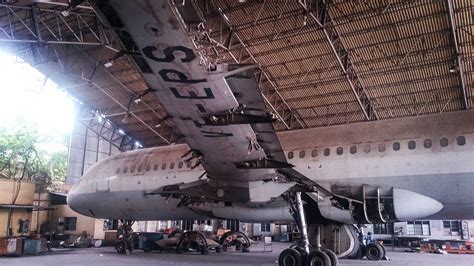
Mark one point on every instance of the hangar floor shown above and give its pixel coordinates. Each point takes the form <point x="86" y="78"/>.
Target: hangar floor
<point x="108" y="256"/>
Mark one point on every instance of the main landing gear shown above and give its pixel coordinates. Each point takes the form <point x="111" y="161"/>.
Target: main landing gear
<point x="301" y="253"/>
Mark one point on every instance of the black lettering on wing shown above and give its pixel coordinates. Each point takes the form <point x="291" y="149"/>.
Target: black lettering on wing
<point x="169" y="53"/>
<point x="192" y="94"/>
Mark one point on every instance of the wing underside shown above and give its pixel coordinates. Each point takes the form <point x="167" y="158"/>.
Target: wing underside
<point x="219" y="109"/>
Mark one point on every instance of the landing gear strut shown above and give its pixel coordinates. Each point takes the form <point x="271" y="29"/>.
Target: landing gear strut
<point x="124" y="243"/>
<point x="302" y="254"/>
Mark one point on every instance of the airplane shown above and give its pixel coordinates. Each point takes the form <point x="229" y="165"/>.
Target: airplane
<point x="234" y="165"/>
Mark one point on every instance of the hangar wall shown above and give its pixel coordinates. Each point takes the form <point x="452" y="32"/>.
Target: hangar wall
<point x="86" y="148"/>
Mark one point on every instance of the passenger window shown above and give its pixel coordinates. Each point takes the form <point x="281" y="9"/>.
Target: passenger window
<point x="118" y="171"/>
<point x="140" y="168"/>
<point x="302" y="153"/>
<point x="381" y="147"/>
<point x="396" y="146"/>
<point x="180" y="165"/>
<point x="339" y="150"/>
<point x="290" y="155"/>
<point x="461" y="140"/>
<point x="188" y="164"/>
<point x="148" y="167"/>
<point x="327" y="152"/>
<point x="443" y="142"/>
<point x="353" y="150"/>
<point x="314" y="153"/>
<point x="411" y="145"/>
<point x="367" y="148"/>
<point x="125" y="170"/>
<point x="163" y="166"/>
<point x="132" y="170"/>
<point x="155" y="167"/>
<point x="427" y="143"/>
<point x="172" y="165"/>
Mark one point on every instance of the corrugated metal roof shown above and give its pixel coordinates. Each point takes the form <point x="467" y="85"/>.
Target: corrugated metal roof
<point x="401" y="52"/>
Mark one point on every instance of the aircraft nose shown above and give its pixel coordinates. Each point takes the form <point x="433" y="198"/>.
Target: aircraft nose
<point x="76" y="200"/>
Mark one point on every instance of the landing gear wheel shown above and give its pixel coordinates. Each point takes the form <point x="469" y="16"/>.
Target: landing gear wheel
<point x="245" y="249"/>
<point x="318" y="258"/>
<point x="219" y="249"/>
<point x="374" y="251"/>
<point x="290" y="257"/>
<point x="332" y="256"/>
<point x="121" y="247"/>
<point x="205" y="252"/>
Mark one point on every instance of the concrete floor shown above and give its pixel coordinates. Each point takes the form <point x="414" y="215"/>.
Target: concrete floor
<point x="108" y="256"/>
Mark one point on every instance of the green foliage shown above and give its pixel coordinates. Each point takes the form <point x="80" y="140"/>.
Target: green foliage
<point x="22" y="158"/>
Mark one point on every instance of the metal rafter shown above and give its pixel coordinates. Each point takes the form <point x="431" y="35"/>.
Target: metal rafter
<point x="288" y="117"/>
<point x="325" y="22"/>
<point x="458" y="59"/>
<point x="31" y="24"/>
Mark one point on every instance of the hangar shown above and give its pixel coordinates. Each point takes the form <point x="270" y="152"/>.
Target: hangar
<point x="331" y="67"/>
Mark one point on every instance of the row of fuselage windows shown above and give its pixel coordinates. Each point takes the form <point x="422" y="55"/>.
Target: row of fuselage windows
<point x="148" y="167"/>
<point x="396" y="146"/>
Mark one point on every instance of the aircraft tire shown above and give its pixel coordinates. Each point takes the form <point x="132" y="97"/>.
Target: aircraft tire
<point x="374" y="252"/>
<point x="332" y="256"/>
<point x="121" y="247"/>
<point x="290" y="257"/>
<point x="318" y="258"/>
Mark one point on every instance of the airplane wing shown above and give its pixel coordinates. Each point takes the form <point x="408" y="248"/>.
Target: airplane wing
<point x="218" y="108"/>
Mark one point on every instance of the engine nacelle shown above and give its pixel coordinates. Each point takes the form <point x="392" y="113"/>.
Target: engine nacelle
<point x="375" y="205"/>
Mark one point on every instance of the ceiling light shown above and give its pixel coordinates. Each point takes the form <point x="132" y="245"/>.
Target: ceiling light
<point x="121" y="131"/>
<point x="138" y="144"/>
<point x="454" y="69"/>
<point x="65" y="13"/>
<point x="108" y="64"/>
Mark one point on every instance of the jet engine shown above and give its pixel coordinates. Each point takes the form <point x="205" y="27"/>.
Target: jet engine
<point x="366" y="204"/>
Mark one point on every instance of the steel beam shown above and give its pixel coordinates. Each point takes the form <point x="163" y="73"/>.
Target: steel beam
<point x="272" y="97"/>
<point x="458" y="64"/>
<point x="325" y="22"/>
<point x="31" y="24"/>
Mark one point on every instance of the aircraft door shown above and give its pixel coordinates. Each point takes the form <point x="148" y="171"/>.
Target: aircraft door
<point x="102" y="180"/>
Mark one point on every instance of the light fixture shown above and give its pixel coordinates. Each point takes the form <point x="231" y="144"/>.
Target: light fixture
<point x="454" y="68"/>
<point x="65" y="13"/>
<point x="138" y="100"/>
<point x="138" y="144"/>
<point x="108" y="64"/>
<point x="121" y="132"/>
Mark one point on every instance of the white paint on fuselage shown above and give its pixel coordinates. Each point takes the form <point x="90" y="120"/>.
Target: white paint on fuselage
<point x="442" y="173"/>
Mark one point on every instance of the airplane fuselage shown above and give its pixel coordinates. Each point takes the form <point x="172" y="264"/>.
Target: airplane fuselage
<point x="429" y="155"/>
